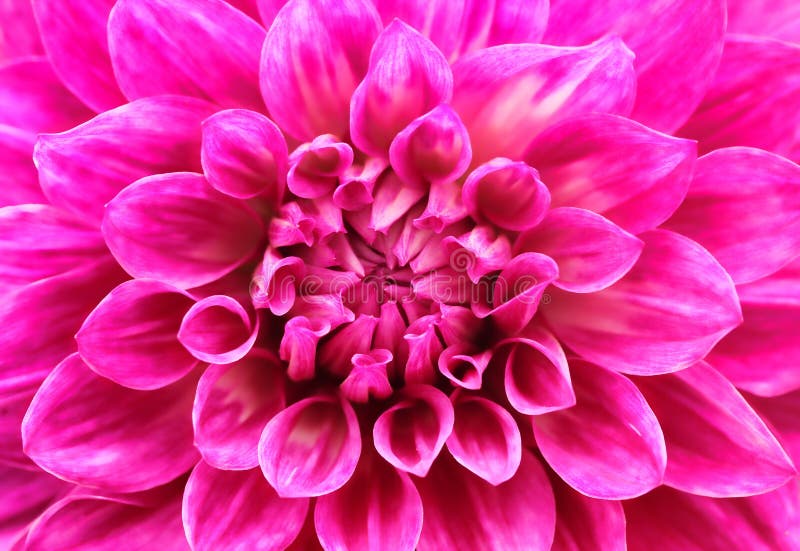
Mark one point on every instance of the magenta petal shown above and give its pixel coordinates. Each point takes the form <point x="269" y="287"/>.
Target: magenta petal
<point x="223" y="507"/>
<point x="244" y="154"/>
<point x="411" y="433"/>
<point x="510" y="22"/>
<point x="716" y="444"/>
<point x="19" y="181"/>
<point x="742" y="106"/>
<point x="20" y="36"/>
<point x="379" y="508"/>
<point x="677" y="45"/>
<point x="587" y="523"/>
<point x="317" y="165"/>
<point x="781" y="412"/>
<point x="485" y="438"/>
<point x="76" y="41"/>
<point x="667" y="313"/>
<point x="438" y="20"/>
<point x="670" y="520"/>
<point x="131" y="337"/>
<point x="463" y="365"/>
<point x="218" y="329"/>
<point x="315" y="54"/>
<point x="149" y="136"/>
<point x="311" y="448"/>
<point x="23" y="495"/>
<point x="634" y="176"/>
<point x="775" y="18"/>
<point x="507" y="94"/>
<point x="206" y="49"/>
<point x="536" y="373"/>
<point x="232" y="405"/>
<point x="609" y="445"/>
<point x="761" y="192"/>
<point x="462" y="510"/>
<point x="592" y="253"/>
<point x="13" y="404"/>
<point x="407" y="77"/>
<point x="368" y="378"/>
<point x="299" y="346"/>
<point x="91" y="431"/>
<point x="158" y="227"/>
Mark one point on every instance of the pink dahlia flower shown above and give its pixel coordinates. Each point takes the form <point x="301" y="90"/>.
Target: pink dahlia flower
<point x="401" y="274"/>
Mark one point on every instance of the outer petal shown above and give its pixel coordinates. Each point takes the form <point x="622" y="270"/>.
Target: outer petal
<point x="84" y="168"/>
<point x="201" y="48"/>
<point x="494" y="22"/>
<point x="218" y="329"/>
<point x="634" y="176"/>
<point x="782" y="413"/>
<point x="379" y="508"/>
<point x="461" y="509"/>
<point x="158" y="227"/>
<point x="586" y="523"/>
<point x="407" y="77"/>
<point x="744" y="207"/>
<point x="131" y="337"/>
<point x="776" y="18"/>
<point x="609" y="445"/>
<point x="412" y="432"/>
<point x="75" y="38"/>
<point x="236" y="510"/>
<point x="677" y="45"/>
<point x="311" y="448"/>
<point x="592" y="253"/>
<point x="664" y="315"/>
<point x="676" y="521"/>
<point x="716" y="444"/>
<point x="315" y="54"/>
<point x="244" y="154"/>
<point x="24" y="494"/>
<point x="20" y="37"/>
<point x="233" y="404"/>
<point x="742" y="106"/>
<point x="19" y="182"/>
<point x="507" y="94"/>
<point x="91" y="431"/>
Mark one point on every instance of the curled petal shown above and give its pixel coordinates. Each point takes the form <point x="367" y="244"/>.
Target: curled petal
<point x="207" y="49"/>
<point x="424" y="348"/>
<point x="356" y="184"/>
<point x="291" y="226"/>
<point x="299" y="345"/>
<point x="412" y="432"/>
<point x="609" y="445"/>
<point x="634" y="176"/>
<point x="220" y="505"/>
<point x="485" y="438"/>
<point x="592" y="253"/>
<point x="760" y="191"/>
<point x="316" y="166"/>
<point x="478" y="252"/>
<point x="91" y="431"/>
<point x="717" y="445"/>
<point x="508" y="194"/>
<point x="311" y="448"/>
<point x="276" y="282"/>
<point x="315" y="54"/>
<point x="131" y="337"/>
<point x="463" y="366"/>
<point x="218" y="329"/>
<point x="507" y="94"/>
<point x="158" y="227"/>
<point x="244" y="154"/>
<point x="368" y="378"/>
<point x="667" y="313"/>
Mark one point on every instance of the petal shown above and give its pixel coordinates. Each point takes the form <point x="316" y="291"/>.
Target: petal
<point x="673" y="306"/>
<point x="485" y="438"/>
<point x="463" y="365"/>
<point x="19" y="182"/>
<point x="536" y="375"/>
<point x="438" y="20"/>
<point x="311" y="448"/>
<point x="131" y="337"/>
<point x="223" y="507"/>
<point x="299" y="346"/>
<point x="158" y="227"/>
<point x="775" y="18"/>
<point x="76" y="41"/>
<point x="496" y="22"/>
<point x="315" y="54"/>
<point x="781" y="412"/>
<point x="586" y="523"/>
<point x="407" y="77"/>
<point x="676" y="521"/>
<point x="13" y="404"/>
<point x="461" y="509"/>
<point x="379" y="508"/>
<point x="316" y="166"/>
<point x="761" y="192"/>
<point x="114" y="149"/>
<point x="634" y="176"/>
<point x="91" y="431"/>
<point x="355" y="338"/>
<point x="677" y="46"/>
<point x="218" y="329"/>
<point x="244" y="154"/>
<point x="233" y="404"/>
<point x="24" y="494"/>
<point x="205" y="49"/>
<point x="412" y="432"/>
<point x="609" y="445"/>
<point x="592" y="252"/>
<point x="507" y="94"/>
<point x="717" y="445"/>
<point x="368" y="378"/>
<point x="20" y="36"/>
<point x="742" y="106"/>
